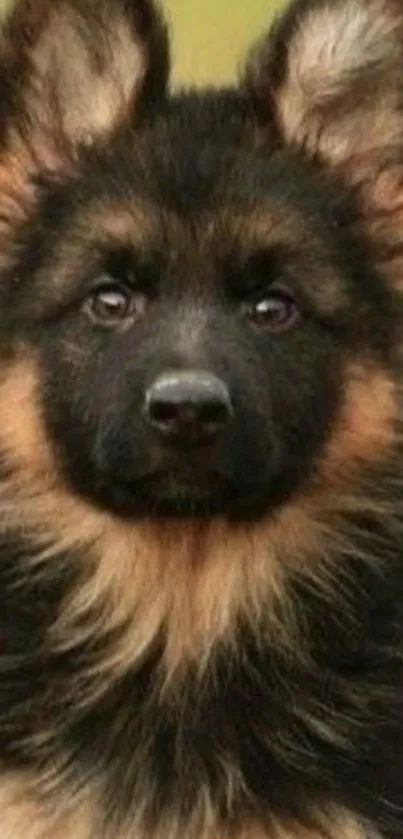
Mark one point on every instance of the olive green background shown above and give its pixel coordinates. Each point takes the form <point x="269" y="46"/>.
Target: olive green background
<point x="210" y="37"/>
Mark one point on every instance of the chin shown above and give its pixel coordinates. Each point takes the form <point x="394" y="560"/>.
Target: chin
<point x="201" y="428"/>
<point x="168" y="496"/>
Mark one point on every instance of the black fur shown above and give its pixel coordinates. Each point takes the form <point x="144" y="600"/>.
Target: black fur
<point x="216" y="211"/>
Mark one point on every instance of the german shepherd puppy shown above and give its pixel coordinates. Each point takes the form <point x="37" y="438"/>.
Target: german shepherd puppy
<point x="201" y="488"/>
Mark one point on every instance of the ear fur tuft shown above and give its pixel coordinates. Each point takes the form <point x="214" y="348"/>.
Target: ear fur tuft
<point x="72" y="71"/>
<point x="330" y="74"/>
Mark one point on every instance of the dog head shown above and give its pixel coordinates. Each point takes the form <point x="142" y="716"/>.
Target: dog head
<point x="187" y="277"/>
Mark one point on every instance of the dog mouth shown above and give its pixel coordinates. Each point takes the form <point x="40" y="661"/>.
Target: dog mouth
<point x="177" y="494"/>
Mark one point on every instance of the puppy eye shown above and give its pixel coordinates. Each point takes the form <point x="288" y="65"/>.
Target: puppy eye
<point x="112" y="304"/>
<point x="276" y="310"/>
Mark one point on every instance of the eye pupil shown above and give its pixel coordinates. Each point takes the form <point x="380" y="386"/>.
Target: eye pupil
<point x="277" y="310"/>
<point x="114" y="304"/>
<point x="111" y="303"/>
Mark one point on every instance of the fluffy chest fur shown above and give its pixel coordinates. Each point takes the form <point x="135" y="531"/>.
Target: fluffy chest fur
<point x="201" y="520"/>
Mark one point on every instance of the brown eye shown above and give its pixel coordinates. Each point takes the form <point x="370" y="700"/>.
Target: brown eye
<point x="276" y="310"/>
<point x="113" y="304"/>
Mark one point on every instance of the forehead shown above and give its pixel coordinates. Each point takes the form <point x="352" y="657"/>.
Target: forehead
<point x="198" y="185"/>
<point x="199" y="151"/>
<point x="215" y="245"/>
<point x="225" y="234"/>
<point x="202" y="168"/>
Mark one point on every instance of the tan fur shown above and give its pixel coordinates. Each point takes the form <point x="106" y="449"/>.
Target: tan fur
<point x="343" y="56"/>
<point x="92" y="103"/>
<point x="281" y="226"/>
<point x="339" y="100"/>
<point x="22" y="817"/>
<point x="380" y="194"/>
<point x="364" y="429"/>
<point x="16" y="194"/>
<point x="67" y="106"/>
<point x="81" y="101"/>
<point x="193" y="581"/>
<point x="344" y="829"/>
<point x="17" y="200"/>
<point x="339" y="826"/>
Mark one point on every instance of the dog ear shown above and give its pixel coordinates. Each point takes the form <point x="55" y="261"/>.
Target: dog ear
<point x="330" y="75"/>
<point x="72" y="71"/>
<point x="331" y="71"/>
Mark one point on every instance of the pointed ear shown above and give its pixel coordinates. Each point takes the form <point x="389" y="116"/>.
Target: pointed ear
<point x="330" y="75"/>
<point x="331" y="72"/>
<point x="72" y="71"/>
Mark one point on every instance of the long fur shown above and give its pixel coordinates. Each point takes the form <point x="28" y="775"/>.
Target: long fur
<point x="219" y="677"/>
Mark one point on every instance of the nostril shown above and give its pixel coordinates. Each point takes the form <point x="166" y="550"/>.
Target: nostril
<point x="163" y="412"/>
<point x="188" y="405"/>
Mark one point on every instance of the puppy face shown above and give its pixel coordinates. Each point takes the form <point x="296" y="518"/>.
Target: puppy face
<point x="207" y="260"/>
<point x="200" y="428"/>
<point x="191" y="284"/>
<point x="200" y="308"/>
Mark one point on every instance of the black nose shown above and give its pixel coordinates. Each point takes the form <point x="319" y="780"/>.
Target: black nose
<point x="188" y="406"/>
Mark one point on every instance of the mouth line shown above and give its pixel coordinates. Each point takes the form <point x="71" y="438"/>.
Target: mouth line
<point x="187" y="476"/>
<point x="165" y="494"/>
<point x="171" y="487"/>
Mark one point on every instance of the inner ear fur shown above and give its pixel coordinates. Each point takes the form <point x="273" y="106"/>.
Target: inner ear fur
<point x="71" y="71"/>
<point x="330" y="75"/>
